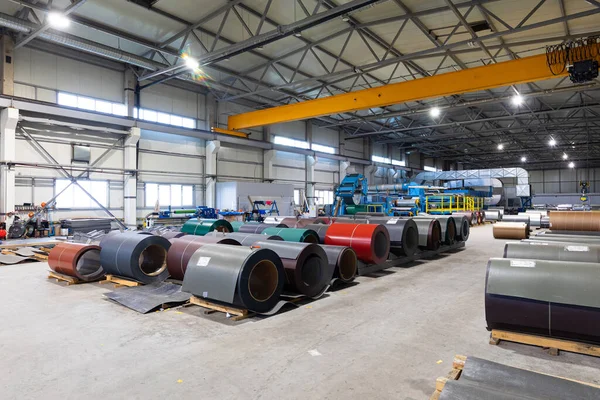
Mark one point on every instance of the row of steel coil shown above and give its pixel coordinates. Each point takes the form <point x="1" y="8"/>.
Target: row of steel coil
<point x="250" y="265"/>
<point x="548" y="284"/>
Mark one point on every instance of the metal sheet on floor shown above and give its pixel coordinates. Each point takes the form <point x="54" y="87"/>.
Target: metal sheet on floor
<point x="144" y="299"/>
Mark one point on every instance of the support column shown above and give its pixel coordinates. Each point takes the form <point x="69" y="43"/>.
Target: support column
<point x="8" y="124"/>
<point x="310" y="179"/>
<point x="129" y="86"/>
<point x="268" y="157"/>
<point x="130" y="179"/>
<point x="7" y="69"/>
<point x="212" y="112"/>
<point x="212" y="149"/>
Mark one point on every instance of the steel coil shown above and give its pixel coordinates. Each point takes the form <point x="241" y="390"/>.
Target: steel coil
<point x="404" y="235"/>
<point x="534" y="219"/>
<point x="320" y="230"/>
<point x="201" y="227"/>
<point x="236" y="225"/>
<point x="183" y="248"/>
<point x="553" y="251"/>
<point x="172" y="235"/>
<point x="470" y="215"/>
<point x="492" y="215"/>
<point x="139" y="257"/>
<point x="307" y="268"/>
<point x="552" y="298"/>
<point x="516" y="218"/>
<point x="511" y="230"/>
<point x="463" y="228"/>
<point x="253" y="227"/>
<point x="80" y="261"/>
<point x="447" y="225"/>
<point x="581" y="233"/>
<point x="247" y="239"/>
<point x="371" y="242"/>
<point x="293" y="234"/>
<point x="430" y="233"/>
<point x="277" y="219"/>
<point x="248" y="278"/>
<point x="567" y="238"/>
<point x="575" y="220"/>
<point x="343" y="260"/>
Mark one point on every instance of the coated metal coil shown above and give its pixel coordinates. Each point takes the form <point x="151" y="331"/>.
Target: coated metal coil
<point x="307" y="269"/>
<point x="277" y="219"/>
<point x="371" y="242"/>
<point x="543" y="213"/>
<point x="580" y="233"/>
<point x="248" y="278"/>
<point x="80" y="261"/>
<point x="480" y="217"/>
<point x="320" y="229"/>
<point x="471" y="216"/>
<point x="553" y="251"/>
<point x="236" y="225"/>
<point x="172" y="235"/>
<point x="567" y="238"/>
<point x="516" y="218"/>
<point x="293" y="234"/>
<point x="201" y="227"/>
<point x="511" y="230"/>
<point x="139" y="257"/>
<point x="430" y="233"/>
<point x="492" y="215"/>
<point x="404" y="235"/>
<point x="247" y="239"/>
<point x="545" y="222"/>
<point x="447" y="225"/>
<point x="534" y="219"/>
<point x="575" y="220"/>
<point x="463" y="228"/>
<point x="183" y="248"/>
<point x="257" y="227"/>
<point x="344" y="261"/>
<point x="551" y="298"/>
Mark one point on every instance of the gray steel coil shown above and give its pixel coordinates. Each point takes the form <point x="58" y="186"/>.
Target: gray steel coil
<point x="551" y="298"/>
<point x="246" y="239"/>
<point x="258" y="228"/>
<point x="492" y="215"/>
<point x="447" y="225"/>
<point x="252" y="279"/>
<point x="430" y="233"/>
<point x="553" y="251"/>
<point x="139" y="257"/>
<point x="307" y="269"/>
<point x="344" y="262"/>
<point x="320" y="229"/>
<point x="404" y="234"/>
<point x="516" y="218"/>
<point x="463" y="228"/>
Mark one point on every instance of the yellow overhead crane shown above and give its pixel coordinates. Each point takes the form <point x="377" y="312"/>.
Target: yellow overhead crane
<point x="584" y="54"/>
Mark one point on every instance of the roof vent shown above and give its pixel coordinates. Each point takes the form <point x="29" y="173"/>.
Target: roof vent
<point x="480" y="26"/>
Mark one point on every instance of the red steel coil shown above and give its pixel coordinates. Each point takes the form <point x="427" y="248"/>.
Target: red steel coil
<point x="81" y="261"/>
<point x="183" y="248"/>
<point x="371" y="242"/>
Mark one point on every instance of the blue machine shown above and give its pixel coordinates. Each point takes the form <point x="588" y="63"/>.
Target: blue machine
<point x="199" y="212"/>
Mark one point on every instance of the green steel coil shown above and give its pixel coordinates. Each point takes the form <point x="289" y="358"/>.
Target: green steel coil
<point x="236" y="225"/>
<point x="351" y="210"/>
<point x="293" y="234"/>
<point x="201" y="227"/>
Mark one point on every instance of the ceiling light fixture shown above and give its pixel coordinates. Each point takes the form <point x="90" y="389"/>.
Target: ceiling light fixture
<point x="523" y="159"/>
<point x="345" y="18"/>
<point x="58" y="20"/>
<point x="552" y="142"/>
<point x="565" y="156"/>
<point x="517" y="100"/>
<point x="191" y="63"/>
<point x="571" y="164"/>
<point x="500" y="146"/>
<point x="298" y="34"/>
<point x="435" y="112"/>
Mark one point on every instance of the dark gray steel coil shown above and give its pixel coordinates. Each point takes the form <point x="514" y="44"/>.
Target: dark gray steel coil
<point x="404" y="234"/>
<point x="248" y="278"/>
<point x="307" y="268"/>
<point x="516" y="218"/>
<point x="258" y="228"/>
<point x="553" y="251"/>
<point x="492" y="215"/>
<point x="552" y="298"/>
<point x="139" y="257"/>
<point x="430" y="233"/>
<point x="344" y="261"/>
<point x="447" y="224"/>
<point x="463" y="227"/>
<point x="320" y="229"/>
<point x="247" y="239"/>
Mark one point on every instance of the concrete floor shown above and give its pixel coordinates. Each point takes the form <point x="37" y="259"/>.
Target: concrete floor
<point x="390" y="336"/>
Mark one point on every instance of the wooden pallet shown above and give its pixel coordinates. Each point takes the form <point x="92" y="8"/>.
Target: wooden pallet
<point x="120" y="282"/>
<point x="552" y="345"/>
<point x="70" y="280"/>
<point x="238" y="313"/>
<point x="457" y="366"/>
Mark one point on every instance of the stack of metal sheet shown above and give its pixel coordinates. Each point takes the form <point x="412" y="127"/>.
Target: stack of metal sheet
<point x="86" y="224"/>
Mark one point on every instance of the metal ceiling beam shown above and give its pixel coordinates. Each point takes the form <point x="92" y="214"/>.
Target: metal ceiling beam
<point x="71" y="8"/>
<point x="528" y="69"/>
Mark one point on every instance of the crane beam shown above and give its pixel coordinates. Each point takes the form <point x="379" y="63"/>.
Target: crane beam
<point x="523" y="70"/>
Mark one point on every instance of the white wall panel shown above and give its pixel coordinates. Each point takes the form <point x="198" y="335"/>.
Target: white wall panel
<point x="25" y="91"/>
<point x="326" y="137"/>
<point x="295" y="130"/>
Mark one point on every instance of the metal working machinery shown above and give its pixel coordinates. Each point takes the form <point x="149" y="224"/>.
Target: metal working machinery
<point x="175" y="216"/>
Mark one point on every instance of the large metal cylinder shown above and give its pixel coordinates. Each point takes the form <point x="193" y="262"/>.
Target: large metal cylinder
<point x="293" y="234"/>
<point x="255" y="227"/>
<point x="463" y="228"/>
<point x="246" y="239"/>
<point x="370" y="242"/>
<point x="567" y="238"/>
<point x="553" y="251"/>
<point x="511" y="230"/>
<point x="344" y="261"/>
<point x="575" y="220"/>
<point x="201" y="227"/>
<point x="492" y="215"/>
<point x="552" y="298"/>
<point x="516" y="218"/>
<point x="404" y="234"/>
<point x="430" y="233"/>
<point x="447" y="225"/>
<point x="80" y="261"/>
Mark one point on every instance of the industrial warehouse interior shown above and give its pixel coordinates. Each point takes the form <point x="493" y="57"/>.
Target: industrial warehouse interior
<point x="300" y="199"/>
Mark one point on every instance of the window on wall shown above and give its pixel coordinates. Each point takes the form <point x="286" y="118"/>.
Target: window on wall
<point x="379" y="159"/>
<point x="164" y="118"/>
<point x="399" y="163"/>
<point x="297" y="197"/>
<point x="430" y="169"/>
<point x="324" y="196"/>
<point x="284" y="141"/>
<point x="91" y="104"/>
<point x="169" y="195"/>
<point x="322" y="149"/>
<point x="75" y="197"/>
